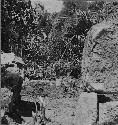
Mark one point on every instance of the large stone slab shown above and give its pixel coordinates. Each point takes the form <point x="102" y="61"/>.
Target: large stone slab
<point x="108" y="113"/>
<point x="100" y="56"/>
<point x="87" y="109"/>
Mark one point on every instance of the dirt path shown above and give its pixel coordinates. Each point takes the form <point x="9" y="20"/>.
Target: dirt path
<point x="62" y="111"/>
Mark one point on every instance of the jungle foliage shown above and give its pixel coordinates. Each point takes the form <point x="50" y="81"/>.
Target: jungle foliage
<point x="44" y="38"/>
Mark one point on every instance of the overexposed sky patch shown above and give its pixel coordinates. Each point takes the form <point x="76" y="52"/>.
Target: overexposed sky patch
<point x="51" y="5"/>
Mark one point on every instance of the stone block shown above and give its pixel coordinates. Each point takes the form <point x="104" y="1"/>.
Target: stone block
<point x="87" y="109"/>
<point x="108" y="113"/>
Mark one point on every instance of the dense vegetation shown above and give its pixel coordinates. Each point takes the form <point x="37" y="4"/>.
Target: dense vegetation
<point x="50" y="40"/>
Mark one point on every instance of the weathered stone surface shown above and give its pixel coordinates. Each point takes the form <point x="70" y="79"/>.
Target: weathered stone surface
<point x="87" y="109"/>
<point x="100" y="56"/>
<point x="108" y="113"/>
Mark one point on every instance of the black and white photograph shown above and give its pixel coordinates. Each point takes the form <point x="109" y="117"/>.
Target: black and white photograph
<point x="59" y="62"/>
